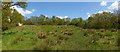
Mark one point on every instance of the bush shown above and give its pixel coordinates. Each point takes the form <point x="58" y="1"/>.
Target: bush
<point x="114" y="30"/>
<point x="41" y="35"/>
<point x="85" y="34"/>
<point x="68" y="33"/>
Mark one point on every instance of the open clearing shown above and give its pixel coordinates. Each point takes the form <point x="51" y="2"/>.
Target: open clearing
<point x="48" y="37"/>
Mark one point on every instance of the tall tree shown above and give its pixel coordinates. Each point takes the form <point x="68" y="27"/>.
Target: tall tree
<point x="11" y="17"/>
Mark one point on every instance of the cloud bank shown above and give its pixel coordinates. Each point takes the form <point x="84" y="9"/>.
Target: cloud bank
<point x="22" y="11"/>
<point x="113" y="6"/>
<point x="62" y="17"/>
<point x="103" y="3"/>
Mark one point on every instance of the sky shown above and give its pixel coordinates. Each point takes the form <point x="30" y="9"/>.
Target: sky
<point x="64" y="0"/>
<point x="70" y="9"/>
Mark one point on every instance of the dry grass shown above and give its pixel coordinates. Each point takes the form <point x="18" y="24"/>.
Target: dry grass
<point x="41" y="35"/>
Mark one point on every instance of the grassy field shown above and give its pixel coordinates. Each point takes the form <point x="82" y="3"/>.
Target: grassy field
<point x="59" y="38"/>
<point x="0" y="45"/>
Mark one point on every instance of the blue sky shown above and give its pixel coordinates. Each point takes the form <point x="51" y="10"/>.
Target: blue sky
<point x="66" y="0"/>
<point x="71" y="9"/>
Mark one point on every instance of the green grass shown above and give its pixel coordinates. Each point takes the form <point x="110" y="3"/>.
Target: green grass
<point x="0" y="42"/>
<point x="58" y="38"/>
<point x="0" y="45"/>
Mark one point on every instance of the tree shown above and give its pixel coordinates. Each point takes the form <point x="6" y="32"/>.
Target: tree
<point x="73" y="21"/>
<point x="6" y="5"/>
<point x="67" y="21"/>
<point x="42" y="19"/>
<point x="80" y="22"/>
<point x="103" y="20"/>
<point x="114" y="21"/>
<point x="89" y="23"/>
<point x="9" y="18"/>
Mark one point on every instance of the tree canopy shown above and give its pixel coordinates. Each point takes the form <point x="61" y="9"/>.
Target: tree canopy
<point x="105" y="20"/>
<point x="10" y="17"/>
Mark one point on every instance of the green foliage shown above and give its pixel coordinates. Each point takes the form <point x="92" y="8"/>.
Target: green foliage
<point x="54" y="20"/>
<point x="105" y="20"/>
<point x="59" y="37"/>
<point x="77" y="22"/>
<point x="7" y="15"/>
<point x="15" y="19"/>
<point x="9" y="4"/>
<point x="22" y="4"/>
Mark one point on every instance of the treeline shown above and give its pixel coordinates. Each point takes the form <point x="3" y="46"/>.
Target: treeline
<point x="11" y="18"/>
<point x="105" y="20"/>
<point x="54" y="20"/>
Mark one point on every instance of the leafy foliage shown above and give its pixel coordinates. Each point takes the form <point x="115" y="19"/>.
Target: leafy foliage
<point x="11" y="17"/>
<point x="105" y="20"/>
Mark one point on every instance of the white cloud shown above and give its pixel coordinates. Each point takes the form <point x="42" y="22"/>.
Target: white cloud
<point x="21" y="10"/>
<point x="113" y="6"/>
<point x="88" y="15"/>
<point x="33" y="10"/>
<point x="105" y="11"/>
<point x="108" y="11"/>
<point x="66" y="17"/>
<point x="62" y="17"/>
<point x="100" y="11"/>
<point x="103" y="3"/>
<point x="46" y="15"/>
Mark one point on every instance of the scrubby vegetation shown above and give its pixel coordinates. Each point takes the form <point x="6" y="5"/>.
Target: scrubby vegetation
<point x="105" y="20"/>
<point x="10" y="16"/>
<point x="99" y="32"/>
<point x="51" y="38"/>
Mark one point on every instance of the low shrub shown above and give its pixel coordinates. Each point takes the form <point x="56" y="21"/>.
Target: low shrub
<point x="41" y="35"/>
<point x="68" y="33"/>
<point x="114" y="30"/>
<point x="55" y="30"/>
<point x="85" y="34"/>
<point x="102" y="30"/>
